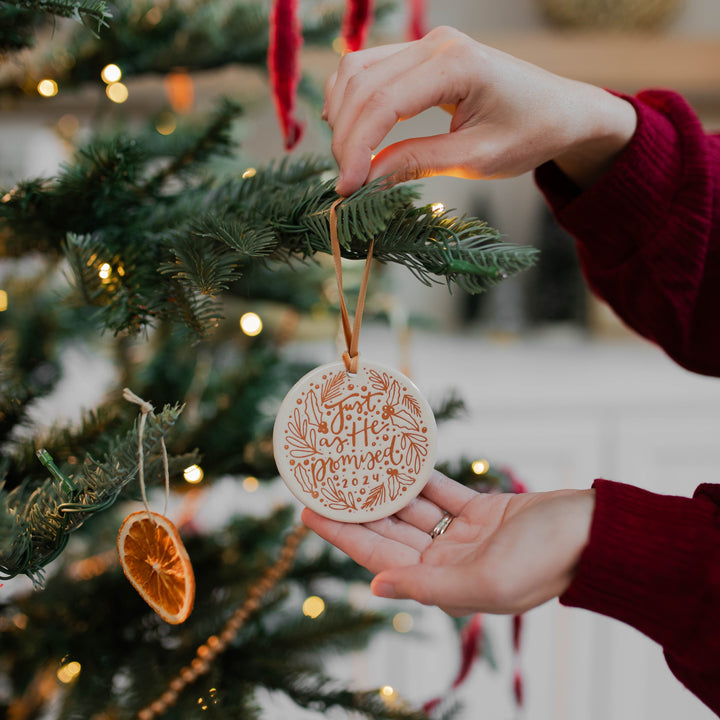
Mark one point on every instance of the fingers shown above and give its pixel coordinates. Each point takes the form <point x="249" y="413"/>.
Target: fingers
<point x="374" y="89"/>
<point x="448" y="494"/>
<point x="374" y="108"/>
<point x="350" y="65"/>
<point x="363" y="545"/>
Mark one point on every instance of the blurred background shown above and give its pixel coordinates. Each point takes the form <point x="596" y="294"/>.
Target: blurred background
<point x="555" y="388"/>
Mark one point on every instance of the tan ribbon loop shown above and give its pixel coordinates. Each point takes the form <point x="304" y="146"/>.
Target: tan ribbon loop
<point x="351" y="331"/>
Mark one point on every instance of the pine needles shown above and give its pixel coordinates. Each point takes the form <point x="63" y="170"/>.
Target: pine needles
<point x="148" y="244"/>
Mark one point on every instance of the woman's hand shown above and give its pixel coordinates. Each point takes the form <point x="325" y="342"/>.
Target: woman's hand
<point x="502" y="553"/>
<point x="508" y="116"/>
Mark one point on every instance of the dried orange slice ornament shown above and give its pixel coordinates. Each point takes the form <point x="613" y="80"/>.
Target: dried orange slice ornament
<point x="157" y="565"/>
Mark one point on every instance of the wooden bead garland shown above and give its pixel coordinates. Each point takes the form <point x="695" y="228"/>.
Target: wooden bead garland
<point x="214" y="645"/>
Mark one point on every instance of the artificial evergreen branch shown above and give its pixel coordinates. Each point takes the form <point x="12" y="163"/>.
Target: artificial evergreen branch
<point x="44" y="517"/>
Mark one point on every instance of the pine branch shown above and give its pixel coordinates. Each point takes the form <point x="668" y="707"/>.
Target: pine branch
<point x="19" y="19"/>
<point x="45" y="517"/>
<point x="177" y="239"/>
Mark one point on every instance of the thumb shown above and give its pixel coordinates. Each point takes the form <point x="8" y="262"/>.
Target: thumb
<point x="422" y="157"/>
<point x="428" y="584"/>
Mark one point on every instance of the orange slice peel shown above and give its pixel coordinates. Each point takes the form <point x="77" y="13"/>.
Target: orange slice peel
<point x="157" y="565"/>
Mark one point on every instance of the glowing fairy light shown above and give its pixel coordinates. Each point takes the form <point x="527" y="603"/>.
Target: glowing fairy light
<point x="117" y="92"/>
<point x="402" y="622"/>
<point x="388" y="694"/>
<point x="68" y="672"/>
<point x="438" y="208"/>
<point x="480" y="467"/>
<point x="251" y="324"/>
<point x="249" y="173"/>
<point x="105" y="271"/>
<point x="3" y="300"/>
<point x="47" y="88"/>
<point x="251" y="484"/>
<point x="313" y="606"/>
<point x="193" y="474"/>
<point x="166" y="124"/>
<point x="111" y="74"/>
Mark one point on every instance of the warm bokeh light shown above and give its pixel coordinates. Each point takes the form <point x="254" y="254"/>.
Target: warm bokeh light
<point x="402" y="622"/>
<point x="47" y="88"/>
<point x="3" y="300"/>
<point x="251" y="324"/>
<point x="438" y="208"/>
<point x="251" y="483"/>
<point x="480" y="467"/>
<point x="153" y="16"/>
<point x="388" y="693"/>
<point x="117" y="92"/>
<point x="105" y="271"/>
<point x="249" y="173"/>
<point x="68" y="672"/>
<point x="193" y="474"/>
<point x="313" y="606"/>
<point x="111" y="74"/>
<point x="166" y="124"/>
<point x="68" y="125"/>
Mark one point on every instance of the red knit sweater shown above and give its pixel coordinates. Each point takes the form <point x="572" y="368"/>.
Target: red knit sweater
<point x="648" y="237"/>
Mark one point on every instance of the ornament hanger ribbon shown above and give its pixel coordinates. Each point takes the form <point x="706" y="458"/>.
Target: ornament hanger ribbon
<point x="351" y="331"/>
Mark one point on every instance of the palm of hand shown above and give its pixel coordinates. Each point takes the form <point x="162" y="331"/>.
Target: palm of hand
<point x="502" y="553"/>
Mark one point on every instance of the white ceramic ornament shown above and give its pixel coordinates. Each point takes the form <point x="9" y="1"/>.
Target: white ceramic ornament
<point x="356" y="446"/>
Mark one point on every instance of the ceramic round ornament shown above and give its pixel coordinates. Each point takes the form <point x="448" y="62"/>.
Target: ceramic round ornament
<point x="355" y="446"/>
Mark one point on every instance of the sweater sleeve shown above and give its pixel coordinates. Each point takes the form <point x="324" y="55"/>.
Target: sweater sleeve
<point x="653" y="562"/>
<point x="648" y="232"/>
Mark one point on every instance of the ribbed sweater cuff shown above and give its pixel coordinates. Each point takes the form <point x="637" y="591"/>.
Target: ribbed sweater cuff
<point x="646" y="563"/>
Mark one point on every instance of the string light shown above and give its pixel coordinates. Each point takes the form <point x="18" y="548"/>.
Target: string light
<point x="105" y="271"/>
<point x="249" y="173"/>
<point x="480" y="467"/>
<point x="313" y="606"/>
<point x="153" y="16"/>
<point x="68" y="672"/>
<point x="20" y="621"/>
<point x="250" y="484"/>
<point x="193" y="474"/>
<point x="68" y="125"/>
<point x="111" y="74"/>
<point x="438" y="208"/>
<point x="3" y="300"/>
<point x="388" y="694"/>
<point x="117" y="92"/>
<point x="402" y="622"/>
<point x="251" y="324"/>
<point x="47" y="88"/>
<point x="165" y="123"/>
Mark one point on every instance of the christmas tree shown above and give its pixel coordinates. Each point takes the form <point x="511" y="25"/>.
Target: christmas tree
<point x="146" y="249"/>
